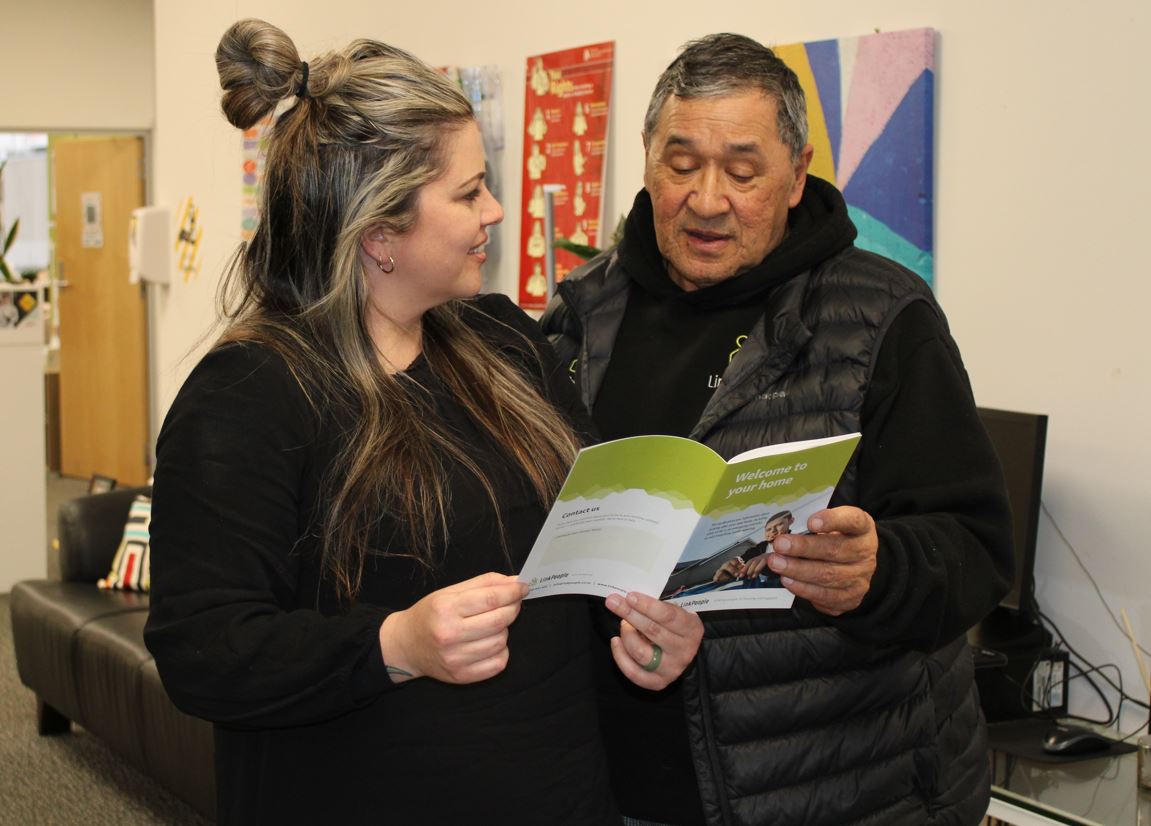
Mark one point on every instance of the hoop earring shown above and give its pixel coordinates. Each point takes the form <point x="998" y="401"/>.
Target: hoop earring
<point x="391" y="265"/>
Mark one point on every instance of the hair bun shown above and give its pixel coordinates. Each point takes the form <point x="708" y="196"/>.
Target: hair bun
<point x="258" y="66"/>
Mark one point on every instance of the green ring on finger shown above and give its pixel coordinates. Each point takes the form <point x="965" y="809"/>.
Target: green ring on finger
<point x="656" y="658"/>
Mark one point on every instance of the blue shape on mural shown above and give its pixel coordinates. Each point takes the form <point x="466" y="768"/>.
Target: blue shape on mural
<point x="823" y="56"/>
<point x="877" y="237"/>
<point x="893" y="182"/>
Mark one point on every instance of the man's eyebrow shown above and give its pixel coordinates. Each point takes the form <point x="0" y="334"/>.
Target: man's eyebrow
<point x="749" y="148"/>
<point x="682" y="141"/>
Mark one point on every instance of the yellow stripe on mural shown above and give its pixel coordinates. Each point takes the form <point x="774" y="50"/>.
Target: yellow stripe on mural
<point x="822" y="162"/>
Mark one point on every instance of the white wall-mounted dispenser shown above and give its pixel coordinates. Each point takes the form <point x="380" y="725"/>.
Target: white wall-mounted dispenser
<point x="149" y="258"/>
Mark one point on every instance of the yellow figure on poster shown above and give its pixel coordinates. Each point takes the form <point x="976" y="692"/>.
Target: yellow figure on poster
<point x="539" y="126"/>
<point x="579" y="122"/>
<point x="537" y="246"/>
<point x="580" y="234"/>
<point x="536" y="202"/>
<point x="188" y="240"/>
<point x="536" y="284"/>
<point x="578" y="159"/>
<point x="539" y="78"/>
<point x="579" y="205"/>
<point x="537" y="163"/>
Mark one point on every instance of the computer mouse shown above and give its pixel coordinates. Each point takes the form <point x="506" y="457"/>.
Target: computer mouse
<point x="1068" y="740"/>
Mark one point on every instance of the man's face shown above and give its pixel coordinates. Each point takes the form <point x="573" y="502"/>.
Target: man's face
<point x="776" y="528"/>
<point x="721" y="182"/>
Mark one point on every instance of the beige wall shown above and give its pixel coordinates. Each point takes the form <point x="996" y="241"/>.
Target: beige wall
<point x="77" y="64"/>
<point x="1041" y="202"/>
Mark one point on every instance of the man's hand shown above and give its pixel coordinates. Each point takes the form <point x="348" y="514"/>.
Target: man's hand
<point x="832" y="566"/>
<point x="644" y="623"/>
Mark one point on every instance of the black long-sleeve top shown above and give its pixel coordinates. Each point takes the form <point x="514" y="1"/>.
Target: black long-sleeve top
<point x="246" y="633"/>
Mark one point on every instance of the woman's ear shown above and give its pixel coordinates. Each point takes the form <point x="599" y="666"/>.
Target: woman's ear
<point x="376" y="242"/>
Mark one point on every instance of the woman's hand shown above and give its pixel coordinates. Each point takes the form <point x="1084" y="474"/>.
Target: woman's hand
<point x="646" y="622"/>
<point x="458" y="634"/>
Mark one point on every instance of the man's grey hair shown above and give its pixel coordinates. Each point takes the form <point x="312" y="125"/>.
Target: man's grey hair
<point x="727" y="64"/>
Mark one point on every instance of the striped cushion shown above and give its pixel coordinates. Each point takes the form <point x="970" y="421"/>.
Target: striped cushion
<point x="130" y="566"/>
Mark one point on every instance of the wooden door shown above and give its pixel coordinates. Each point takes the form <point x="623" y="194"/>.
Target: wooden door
<point x="103" y="324"/>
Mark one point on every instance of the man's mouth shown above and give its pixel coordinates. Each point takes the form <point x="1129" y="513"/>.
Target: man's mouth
<point x="706" y="239"/>
<point x="707" y="235"/>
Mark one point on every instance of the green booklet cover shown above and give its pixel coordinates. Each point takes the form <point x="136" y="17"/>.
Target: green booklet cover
<point x="666" y="515"/>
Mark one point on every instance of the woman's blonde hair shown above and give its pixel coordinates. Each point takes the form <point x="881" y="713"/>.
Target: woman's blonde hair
<point x="364" y="135"/>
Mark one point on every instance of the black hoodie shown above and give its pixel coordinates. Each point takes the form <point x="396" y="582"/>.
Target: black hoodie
<point x="670" y="351"/>
<point x="673" y="345"/>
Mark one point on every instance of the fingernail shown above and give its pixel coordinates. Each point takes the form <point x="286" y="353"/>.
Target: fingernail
<point x="612" y="602"/>
<point x="787" y="580"/>
<point x="777" y="563"/>
<point x="816" y="524"/>
<point x="781" y="544"/>
<point x="632" y="599"/>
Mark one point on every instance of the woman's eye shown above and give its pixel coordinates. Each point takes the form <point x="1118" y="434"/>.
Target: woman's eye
<point x="471" y="196"/>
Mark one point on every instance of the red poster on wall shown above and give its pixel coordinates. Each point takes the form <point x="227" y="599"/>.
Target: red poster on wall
<point x="565" y="145"/>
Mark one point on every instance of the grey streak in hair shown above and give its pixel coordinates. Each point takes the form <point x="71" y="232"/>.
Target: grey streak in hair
<point x="725" y="64"/>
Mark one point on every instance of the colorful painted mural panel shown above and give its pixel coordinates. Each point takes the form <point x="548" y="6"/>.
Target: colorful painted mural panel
<point x="871" y="114"/>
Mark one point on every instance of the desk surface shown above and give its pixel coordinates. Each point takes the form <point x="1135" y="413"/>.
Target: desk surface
<point x="1099" y="790"/>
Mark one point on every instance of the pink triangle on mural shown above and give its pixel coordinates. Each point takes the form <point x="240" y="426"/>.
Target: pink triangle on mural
<point x="885" y="67"/>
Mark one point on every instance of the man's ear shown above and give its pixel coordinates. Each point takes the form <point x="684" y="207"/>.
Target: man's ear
<point x="800" y="169"/>
<point x="646" y="165"/>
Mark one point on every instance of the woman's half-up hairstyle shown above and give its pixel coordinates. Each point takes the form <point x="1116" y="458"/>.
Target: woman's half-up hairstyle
<point x="364" y="133"/>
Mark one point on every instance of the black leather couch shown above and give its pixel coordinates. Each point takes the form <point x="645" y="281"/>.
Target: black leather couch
<point x="81" y="650"/>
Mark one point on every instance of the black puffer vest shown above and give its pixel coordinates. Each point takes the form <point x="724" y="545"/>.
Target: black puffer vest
<point x="791" y="720"/>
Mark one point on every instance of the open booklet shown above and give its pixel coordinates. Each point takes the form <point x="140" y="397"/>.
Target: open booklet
<point x="666" y="515"/>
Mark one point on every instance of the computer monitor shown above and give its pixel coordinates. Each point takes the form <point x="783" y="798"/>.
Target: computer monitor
<point x="1020" y="440"/>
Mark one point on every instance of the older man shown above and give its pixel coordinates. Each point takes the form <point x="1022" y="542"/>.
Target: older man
<point x="737" y="311"/>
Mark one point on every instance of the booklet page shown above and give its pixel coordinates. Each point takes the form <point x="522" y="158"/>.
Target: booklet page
<point x="668" y="516"/>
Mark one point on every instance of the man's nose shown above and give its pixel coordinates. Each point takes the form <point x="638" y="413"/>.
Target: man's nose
<point x="710" y="196"/>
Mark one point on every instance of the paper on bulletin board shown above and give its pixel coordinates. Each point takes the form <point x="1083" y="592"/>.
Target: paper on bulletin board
<point x="565" y="144"/>
<point x="252" y="175"/>
<point x="483" y="88"/>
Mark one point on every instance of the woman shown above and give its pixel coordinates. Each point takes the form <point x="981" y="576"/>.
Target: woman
<point x="348" y="481"/>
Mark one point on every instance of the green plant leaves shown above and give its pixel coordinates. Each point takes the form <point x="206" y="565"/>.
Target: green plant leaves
<point x="11" y="239"/>
<point x="11" y="236"/>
